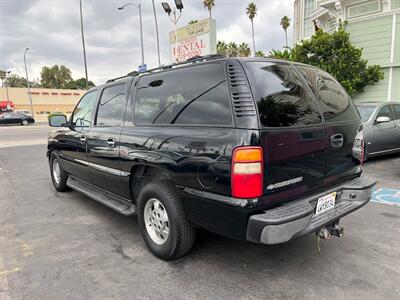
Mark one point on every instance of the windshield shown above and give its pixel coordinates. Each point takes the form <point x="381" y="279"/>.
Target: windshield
<point x="365" y="111"/>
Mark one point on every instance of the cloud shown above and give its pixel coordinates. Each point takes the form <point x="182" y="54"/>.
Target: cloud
<point x="51" y="29"/>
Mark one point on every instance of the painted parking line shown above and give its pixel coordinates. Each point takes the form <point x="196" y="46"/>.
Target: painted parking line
<point x="386" y="196"/>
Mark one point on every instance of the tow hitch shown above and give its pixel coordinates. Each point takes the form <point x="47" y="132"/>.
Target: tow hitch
<point x="326" y="232"/>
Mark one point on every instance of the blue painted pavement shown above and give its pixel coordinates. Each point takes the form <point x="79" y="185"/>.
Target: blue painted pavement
<point x="387" y="196"/>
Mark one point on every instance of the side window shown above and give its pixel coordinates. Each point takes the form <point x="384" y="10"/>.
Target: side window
<point x="335" y="104"/>
<point x="396" y="109"/>
<point x="189" y="96"/>
<point x="8" y="116"/>
<point x="82" y="115"/>
<point x="111" y="106"/>
<point x="282" y="99"/>
<point x="385" y="112"/>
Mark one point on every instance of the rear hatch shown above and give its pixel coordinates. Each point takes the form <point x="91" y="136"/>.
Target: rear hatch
<point x="292" y="132"/>
<point x="342" y="123"/>
<point x="298" y="156"/>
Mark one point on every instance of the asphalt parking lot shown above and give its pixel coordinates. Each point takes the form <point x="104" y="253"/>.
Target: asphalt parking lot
<point x="66" y="246"/>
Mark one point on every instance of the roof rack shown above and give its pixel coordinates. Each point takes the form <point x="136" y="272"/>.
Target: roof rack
<point x="195" y="59"/>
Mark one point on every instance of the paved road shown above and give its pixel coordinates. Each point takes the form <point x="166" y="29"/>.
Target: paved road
<point x="23" y="135"/>
<point x="66" y="246"/>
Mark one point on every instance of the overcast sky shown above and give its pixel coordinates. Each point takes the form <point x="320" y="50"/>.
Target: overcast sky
<point x="51" y="29"/>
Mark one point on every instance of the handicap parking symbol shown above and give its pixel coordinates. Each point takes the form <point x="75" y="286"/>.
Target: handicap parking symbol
<point x="387" y="196"/>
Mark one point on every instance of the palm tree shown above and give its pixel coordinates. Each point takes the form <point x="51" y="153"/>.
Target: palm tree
<point x="285" y="23"/>
<point x="222" y="48"/>
<point x="260" y="53"/>
<point x="232" y="49"/>
<point x="251" y="12"/>
<point x="209" y="4"/>
<point x="244" y="50"/>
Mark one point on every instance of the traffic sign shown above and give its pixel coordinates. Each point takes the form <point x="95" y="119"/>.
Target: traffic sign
<point x="143" y="68"/>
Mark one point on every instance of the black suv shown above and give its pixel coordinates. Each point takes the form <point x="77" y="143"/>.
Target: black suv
<point x="252" y="149"/>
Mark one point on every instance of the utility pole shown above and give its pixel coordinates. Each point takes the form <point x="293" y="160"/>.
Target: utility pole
<point x="157" y="36"/>
<point x="27" y="81"/>
<point x="83" y="44"/>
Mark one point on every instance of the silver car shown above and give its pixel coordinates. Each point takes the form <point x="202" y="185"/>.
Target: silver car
<point x="381" y="127"/>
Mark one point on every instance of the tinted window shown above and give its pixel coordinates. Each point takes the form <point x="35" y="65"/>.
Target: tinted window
<point x="195" y="95"/>
<point x="82" y="116"/>
<point x="396" y="108"/>
<point x="335" y="104"/>
<point x="365" y="111"/>
<point x="8" y="116"/>
<point x="282" y="99"/>
<point x="385" y="112"/>
<point x="111" y="106"/>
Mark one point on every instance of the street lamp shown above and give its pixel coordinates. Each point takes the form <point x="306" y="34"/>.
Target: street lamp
<point x="27" y="80"/>
<point x="139" y="6"/>
<point x="83" y="43"/>
<point x="174" y="19"/>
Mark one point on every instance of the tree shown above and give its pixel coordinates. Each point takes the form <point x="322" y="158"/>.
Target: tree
<point x="55" y="77"/>
<point x="79" y="84"/>
<point x="3" y="74"/>
<point x="222" y="48"/>
<point x="232" y="49"/>
<point x="251" y="12"/>
<point x="334" y="53"/>
<point x="284" y="54"/>
<point x="14" y="80"/>
<point x="209" y="4"/>
<point x="244" y="50"/>
<point x="259" y="53"/>
<point x="191" y="22"/>
<point x="285" y="23"/>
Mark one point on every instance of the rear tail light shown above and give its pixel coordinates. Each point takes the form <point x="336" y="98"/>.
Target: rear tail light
<point x="358" y="146"/>
<point x="247" y="172"/>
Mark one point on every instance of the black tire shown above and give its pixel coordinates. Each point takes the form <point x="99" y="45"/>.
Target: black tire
<point x="61" y="185"/>
<point x="181" y="235"/>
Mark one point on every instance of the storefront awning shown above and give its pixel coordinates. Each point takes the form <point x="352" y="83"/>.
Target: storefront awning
<point x="3" y="104"/>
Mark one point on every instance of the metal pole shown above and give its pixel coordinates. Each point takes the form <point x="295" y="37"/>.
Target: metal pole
<point x="157" y="36"/>
<point x="176" y="36"/>
<point x="8" y="97"/>
<point x="27" y="81"/>
<point x="83" y="43"/>
<point x="141" y="32"/>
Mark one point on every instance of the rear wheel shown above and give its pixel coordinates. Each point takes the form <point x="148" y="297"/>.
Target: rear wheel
<point x="58" y="175"/>
<point x="25" y="122"/>
<point x="164" y="226"/>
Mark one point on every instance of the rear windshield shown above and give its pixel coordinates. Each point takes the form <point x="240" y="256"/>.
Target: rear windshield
<point x="282" y="98"/>
<point x="365" y="111"/>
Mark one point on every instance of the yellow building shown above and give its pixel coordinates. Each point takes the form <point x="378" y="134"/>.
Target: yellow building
<point x="43" y="100"/>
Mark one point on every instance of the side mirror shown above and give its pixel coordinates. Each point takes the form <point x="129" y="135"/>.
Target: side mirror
<point x="57" y="120"/>
<point x="382" y="119"/>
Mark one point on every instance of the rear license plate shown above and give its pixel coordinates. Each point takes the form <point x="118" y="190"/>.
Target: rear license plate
<point x="325" y="203"/>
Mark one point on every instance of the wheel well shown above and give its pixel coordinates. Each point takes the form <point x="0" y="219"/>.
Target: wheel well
<point x="141" y="174"/>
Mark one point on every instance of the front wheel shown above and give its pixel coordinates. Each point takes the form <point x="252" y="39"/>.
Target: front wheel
<point x="162" y="221"/>
<point x="24" y="122"/>
<point x="58" y="175"/>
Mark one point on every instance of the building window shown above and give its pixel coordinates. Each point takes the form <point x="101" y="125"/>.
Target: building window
<point x="308" y="26"/>
<point x="364" y="8"/>
<point x="330" y="25"/>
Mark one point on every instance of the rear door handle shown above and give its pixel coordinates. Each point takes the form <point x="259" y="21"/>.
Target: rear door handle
<point x="111" y="143"/>
<point x="83" y="138"/>
<point x="337" y="140"/>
